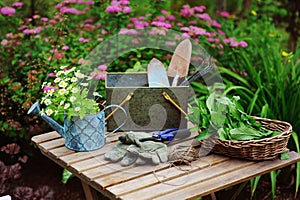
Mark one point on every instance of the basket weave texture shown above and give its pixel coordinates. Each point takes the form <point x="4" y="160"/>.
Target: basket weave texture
<point x="263" y="149"/>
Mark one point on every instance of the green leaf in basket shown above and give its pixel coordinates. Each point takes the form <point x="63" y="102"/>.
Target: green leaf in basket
<point x="203" y="135"/>
<point x="245" y="133"/>
<point x="284" y="156"/>
<point x="222" y="134"/>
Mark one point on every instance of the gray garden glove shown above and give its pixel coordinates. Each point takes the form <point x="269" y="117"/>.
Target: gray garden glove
<point x="130" y="150"/>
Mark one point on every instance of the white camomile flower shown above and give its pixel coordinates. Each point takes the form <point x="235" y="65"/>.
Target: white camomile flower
<point x="61" y="102"/>
<point x="84" y="84"/>
<point x="63" y="67"/>
<point x="74" y="79"/>
<point x="57" y="80"/>
<point x="47" y="102"/>
<point x="49" y="111"/>
<point x="67" y="105"/>
<point x="77" y="109"/>
<point x="63" y="84"/>
<point x="50" y="92"/>
<point x="59" y="73"/>
<point x="72" y="98"/>
<point x="75" y="90"/>
<point x="78" y="74"/>
<point x="62" y="91"/>
<point x="96" y="94"/>
<point x="44" y="84"/>
<point x="42" y="112"/>
<point x="43" y="99"/>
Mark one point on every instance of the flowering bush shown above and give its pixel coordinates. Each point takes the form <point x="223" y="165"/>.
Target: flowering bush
<point x="69" y="94"/>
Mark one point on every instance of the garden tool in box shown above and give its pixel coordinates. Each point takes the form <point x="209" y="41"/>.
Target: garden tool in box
<point x="179" y="65"/>
<point x="168" y="135"/>
<point x="157" y="75"/>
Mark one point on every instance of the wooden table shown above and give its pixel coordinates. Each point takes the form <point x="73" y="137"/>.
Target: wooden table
<point x="204" y="176"/>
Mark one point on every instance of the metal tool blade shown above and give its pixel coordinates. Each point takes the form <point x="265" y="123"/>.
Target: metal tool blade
<point x="179" y="65"/>
<point x="157" y="74"/>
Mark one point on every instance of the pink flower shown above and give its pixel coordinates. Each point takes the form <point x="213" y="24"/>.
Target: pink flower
<point x="52" y="21"/>
<point x="186" y="11"/>
<point x="17" y="4"/>
<point x="51" y="75"/>
<point x="102" y="67"/>
<point x="124" y="2"/>
<point x="193" y="22"/>
<point x="9" y="35"/>
<point x="210" y="39"/>
<point x="81" y="61"/>
<point x="185" y="29"/>
<point x="171" y="17"/>
<point x="234" y="44"/>
<point x="228" y="40"/>
<point x="224" y="14"/>
<point x="101" y="76"/>
<point x="65" y="48"/>
<point x="170" y="43"/>
<point x="127" y="10"/>
<point x="185" y="35"/>
<point x="44" y="19"/>
<point x="89" y="20"/>
<point x="216" y="24"/>
<point x="46" y="88"/>
<point x="163" y="12"/>
<point x="103" y="31"/>
<point x="204" y="16"/>
<point x="243" y="44"/>
<point x="100" y="39"/>
<point x="4" y="42"/>
<point x="9" y="11"/>
<point x="54" y="50"/>
<point x="199" y="8"/>
<point x="221" y="32"/>
<point x="81" y="39"/>
<point x="90" y="2"/>
<point x="113" y="9"/>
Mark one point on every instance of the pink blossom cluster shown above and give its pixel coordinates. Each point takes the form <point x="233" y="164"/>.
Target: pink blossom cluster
<point x="233" y="43"/>
<point x="100" y="74"/>
<point x="9" y="11"/>
<point x="125" y="31"/>
<point x="138" y="22"/>
<point x="187" y="11"/>
<point x="32" y="31"/>
<point x="119" y="6"/>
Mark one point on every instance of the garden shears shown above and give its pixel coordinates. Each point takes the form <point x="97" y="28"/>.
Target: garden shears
<point x="168" y="135"/>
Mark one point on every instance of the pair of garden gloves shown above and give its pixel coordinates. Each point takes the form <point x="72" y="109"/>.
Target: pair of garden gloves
<point x="130" y="150"/>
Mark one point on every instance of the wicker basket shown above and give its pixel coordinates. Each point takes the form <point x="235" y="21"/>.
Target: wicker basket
<point x="263" y="149"/>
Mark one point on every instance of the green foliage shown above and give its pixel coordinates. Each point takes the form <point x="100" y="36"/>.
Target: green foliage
<point x="225" y="116"/>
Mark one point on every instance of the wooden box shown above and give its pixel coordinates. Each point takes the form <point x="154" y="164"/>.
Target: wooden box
<point x="147" y="109"/>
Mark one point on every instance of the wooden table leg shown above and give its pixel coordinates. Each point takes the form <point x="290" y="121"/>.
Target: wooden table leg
<point x="90" y="193"/>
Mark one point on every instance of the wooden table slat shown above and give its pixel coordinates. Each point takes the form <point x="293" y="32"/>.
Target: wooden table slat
<point x="61" y="151"/>
<point x="45" y="137"/>
<point x="151" y="179"/>
<point x="48" y="145"/>
<point x="187" y="180"/>
<point x="237" y="176"/>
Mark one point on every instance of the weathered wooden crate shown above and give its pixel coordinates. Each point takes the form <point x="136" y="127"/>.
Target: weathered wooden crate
<point x="147" y="110"/>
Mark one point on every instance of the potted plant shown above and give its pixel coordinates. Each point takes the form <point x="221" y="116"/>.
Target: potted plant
<point x="71" y="95"/>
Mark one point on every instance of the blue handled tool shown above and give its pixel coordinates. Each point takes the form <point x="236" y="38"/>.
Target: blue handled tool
<point x="168" y="135"/>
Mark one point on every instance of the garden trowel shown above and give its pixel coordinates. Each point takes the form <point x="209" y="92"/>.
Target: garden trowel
<point x="179" y="65"/>
<point x="157" y="74"/>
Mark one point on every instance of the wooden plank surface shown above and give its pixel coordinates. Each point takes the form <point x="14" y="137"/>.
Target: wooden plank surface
<point x="204" y="176"/>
